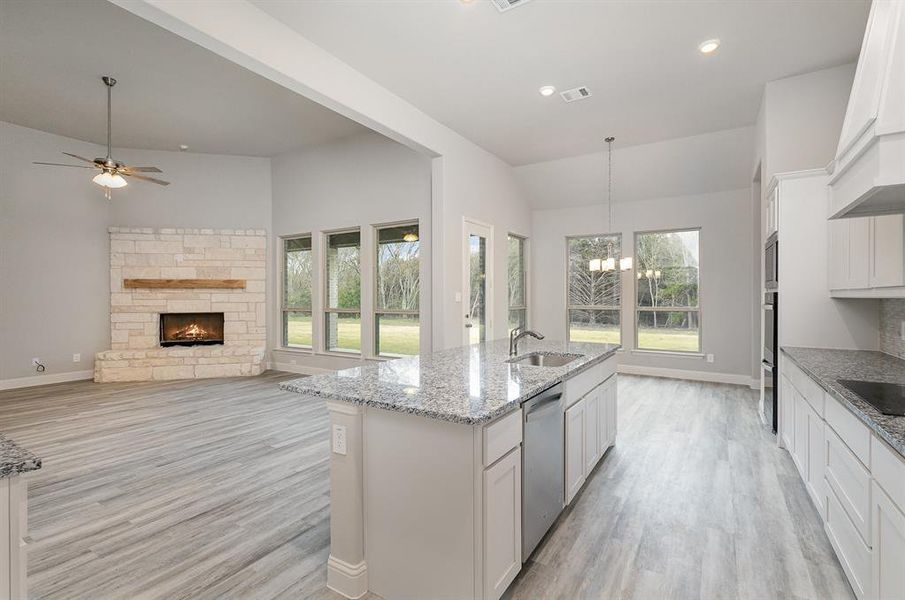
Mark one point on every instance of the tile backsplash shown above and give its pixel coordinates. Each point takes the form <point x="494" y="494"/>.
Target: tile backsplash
<point x="892" y="313"/>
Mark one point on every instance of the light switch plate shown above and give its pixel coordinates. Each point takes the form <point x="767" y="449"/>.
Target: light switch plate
<point x="710" y="358"/>
<point x="339" y="439"/>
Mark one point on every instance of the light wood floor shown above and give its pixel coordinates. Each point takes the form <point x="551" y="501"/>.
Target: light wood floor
<point x="219" y="489"/>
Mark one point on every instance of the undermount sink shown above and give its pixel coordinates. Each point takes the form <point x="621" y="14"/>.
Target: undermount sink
<point x="544" y="359"/>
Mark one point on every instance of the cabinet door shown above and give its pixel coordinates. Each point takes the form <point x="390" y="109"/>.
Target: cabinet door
<point x="887" y="251"/>
<point x="787" y="414"/>
<point x="801" y="434"/>
<point x="859" y="253"/>
<point x="607" y="420"/>
<point x="816" y="460"/>
<point x="502" y="524"/>
<point x="837" y="266"/>
<point x="574" y="449"/>
<point x="889" y="547"/>
<point x="591" y="427"/>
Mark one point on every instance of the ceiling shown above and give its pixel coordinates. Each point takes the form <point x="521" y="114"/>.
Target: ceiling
<point x="169" y="90"/>
<point x="478" y="70"/>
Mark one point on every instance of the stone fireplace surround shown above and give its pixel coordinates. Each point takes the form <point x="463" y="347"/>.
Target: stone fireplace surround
<point x="143" y="253"/>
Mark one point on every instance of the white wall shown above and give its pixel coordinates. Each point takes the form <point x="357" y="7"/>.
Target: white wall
<point x="54" y="259"/>
<point x="358" y="181"/>
<point x="726" y="294"/>
<point x="466" y="179"/>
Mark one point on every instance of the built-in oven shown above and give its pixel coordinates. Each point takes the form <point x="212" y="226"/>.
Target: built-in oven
<point x="771" y="262"/>
<point x="771" y="359"/>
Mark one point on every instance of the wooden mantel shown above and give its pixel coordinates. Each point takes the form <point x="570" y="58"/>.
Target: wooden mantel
<point x="182" y="284"/>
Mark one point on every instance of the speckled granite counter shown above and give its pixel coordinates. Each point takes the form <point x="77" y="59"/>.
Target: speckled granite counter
<point x="826" y="367"/>
<point x="15" y="460"/>
<point x="471" y="385"/>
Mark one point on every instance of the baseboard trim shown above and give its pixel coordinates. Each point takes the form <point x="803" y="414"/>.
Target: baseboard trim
<point x="729" y="378"/>
<point x="348" y="580"/>
<point x="300" y="369"/>
<point x="35" y="380"/>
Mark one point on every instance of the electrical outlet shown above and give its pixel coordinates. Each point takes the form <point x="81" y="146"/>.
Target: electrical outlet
<point x="710" y="358"/>
<point x="339" y="439"/>
<point x="76" y="358"/>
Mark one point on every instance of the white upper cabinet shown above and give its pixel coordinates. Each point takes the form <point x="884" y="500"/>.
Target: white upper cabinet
<point x="869" y="169"/>
<point x="867" y="257"/>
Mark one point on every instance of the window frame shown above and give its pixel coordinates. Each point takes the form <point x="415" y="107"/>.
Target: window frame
<point x="687" y="309"/>
<point x="284" y="308"/>
<point x="570" y="307"/>
<point x="523" y="240"/>
<point x="377" y="312"/>
<point x="326" y="310"/>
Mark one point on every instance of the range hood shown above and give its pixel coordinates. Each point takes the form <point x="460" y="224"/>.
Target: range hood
<point x="868" y="173"/>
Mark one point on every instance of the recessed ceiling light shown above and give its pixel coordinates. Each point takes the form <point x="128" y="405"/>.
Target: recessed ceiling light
<point x="547" y="90"/>
<point x="709" y="46"/>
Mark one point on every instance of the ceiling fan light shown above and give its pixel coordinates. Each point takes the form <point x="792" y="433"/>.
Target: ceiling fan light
<point x="594" y="265"/>
<point x="609" y="264"/>
<point x="110" y="180"/>
<point x="411" y="236"/>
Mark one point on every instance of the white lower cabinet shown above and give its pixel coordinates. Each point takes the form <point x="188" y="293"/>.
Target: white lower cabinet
<point x="592" y="405"/>
<point x="502" y="523"/>
<point x="575" y="466"/>
<point x="888" y="577"/>
<point x="856" y="480"/>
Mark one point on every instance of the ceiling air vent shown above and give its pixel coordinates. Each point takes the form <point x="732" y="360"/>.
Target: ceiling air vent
<point x="579" y="93"/>
<point x="504" y="5"/>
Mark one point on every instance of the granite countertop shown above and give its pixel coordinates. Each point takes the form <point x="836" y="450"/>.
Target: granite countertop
<point x="471" y="385"/>
<point x="826" y="367"/>
<point x="15" y="460"/>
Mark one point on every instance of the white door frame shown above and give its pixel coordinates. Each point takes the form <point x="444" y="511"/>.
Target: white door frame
<point x="470" y="226"/>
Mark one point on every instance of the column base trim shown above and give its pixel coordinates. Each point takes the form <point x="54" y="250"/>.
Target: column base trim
<point x="348" y="580"/>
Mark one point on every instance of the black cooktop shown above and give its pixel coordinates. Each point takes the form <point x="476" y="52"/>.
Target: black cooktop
<point x="888" y="398"/>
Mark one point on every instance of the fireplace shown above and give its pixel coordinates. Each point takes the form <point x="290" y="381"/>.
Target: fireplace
<point x="191" y="329"/>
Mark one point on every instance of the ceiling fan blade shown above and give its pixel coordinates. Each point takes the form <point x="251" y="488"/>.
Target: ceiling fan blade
<point x="62" y="165"/>
<point x="143" y="178"/>
<point x="79" y="157"/>
<point x="141" y="169"/>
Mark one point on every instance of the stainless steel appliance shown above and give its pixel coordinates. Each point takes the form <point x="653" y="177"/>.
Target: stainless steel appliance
<point x="771" y="262"/>
<point x="770" y="362"/>
<point x="543" y="480"/>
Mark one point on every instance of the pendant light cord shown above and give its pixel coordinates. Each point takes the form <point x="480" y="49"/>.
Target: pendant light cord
<point x="609" y="169"/>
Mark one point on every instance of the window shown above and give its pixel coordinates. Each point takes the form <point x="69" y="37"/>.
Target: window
<point x="518" y="290"/>
<point x="667" y="308"/>
<point x="296" y="303"/>
<point x="595" y="290"/>
<point x="396" y="322"/>
<point x="342" y="315"/>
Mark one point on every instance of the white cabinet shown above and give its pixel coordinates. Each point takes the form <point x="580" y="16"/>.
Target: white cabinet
<point x="867" y="257"/>
<point x="592" y="403"/>
<point x="888" y="577"/>
<point x="607" y="415"/>
<point x="772" y="216"/>
<point x="502" y="524"/>
<point x="575" y="465"/>
<point x="787" y="414"/>
<point x="867" y="171"/>
<point x="887" y="251"/>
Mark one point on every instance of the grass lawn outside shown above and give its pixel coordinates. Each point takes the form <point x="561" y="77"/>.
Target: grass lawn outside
<point x="397" y="335"/>
<point x="672" y="340"/>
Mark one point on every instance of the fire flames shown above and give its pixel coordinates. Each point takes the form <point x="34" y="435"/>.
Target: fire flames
<point x="192" y="332"/>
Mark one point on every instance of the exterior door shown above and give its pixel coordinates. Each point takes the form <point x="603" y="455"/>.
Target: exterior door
<point x="477" y="283"/>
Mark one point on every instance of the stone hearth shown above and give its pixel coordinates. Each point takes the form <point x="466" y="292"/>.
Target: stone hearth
<point x="136" y="354"/>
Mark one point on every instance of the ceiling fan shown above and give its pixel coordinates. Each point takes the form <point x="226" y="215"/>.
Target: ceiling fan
<point x="111" y="171"/>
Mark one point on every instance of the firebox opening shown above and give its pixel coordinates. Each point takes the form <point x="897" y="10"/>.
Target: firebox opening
<point x="191" y="329"/>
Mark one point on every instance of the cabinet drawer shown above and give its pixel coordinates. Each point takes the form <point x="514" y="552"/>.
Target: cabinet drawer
<point x="850" y="481"/>
<point x="582" y="383"/>
<point x="853" y="554"/>
<point x="853" y="432"/>
<point x="501" y="436"/>
<point x="807" y="387"/>
<point x="888" y="469"/>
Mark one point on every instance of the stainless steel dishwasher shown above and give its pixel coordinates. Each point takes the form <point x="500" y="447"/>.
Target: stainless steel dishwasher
<point x="542" y="465"/>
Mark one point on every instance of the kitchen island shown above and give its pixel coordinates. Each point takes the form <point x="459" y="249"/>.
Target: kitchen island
<point x="15" y="464"/>
<point x="426" y="462"/>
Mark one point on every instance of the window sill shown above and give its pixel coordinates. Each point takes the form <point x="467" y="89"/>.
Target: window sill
<point x="294" y="350"/>
<point x="669" y="353"/>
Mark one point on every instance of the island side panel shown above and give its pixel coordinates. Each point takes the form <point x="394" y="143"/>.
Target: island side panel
<point x="347" y="572"/>
<point x="419" y="506"/>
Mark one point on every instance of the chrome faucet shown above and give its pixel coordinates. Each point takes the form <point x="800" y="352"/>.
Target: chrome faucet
<point x="518" y="333"/>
